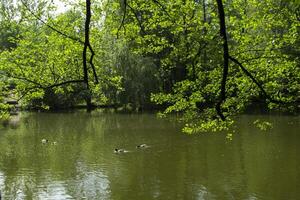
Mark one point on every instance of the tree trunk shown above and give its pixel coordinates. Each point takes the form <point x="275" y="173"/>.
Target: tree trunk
<point x="88" y="98"/>
<point x="204" y="31"/>
<point x="225" y="58"/>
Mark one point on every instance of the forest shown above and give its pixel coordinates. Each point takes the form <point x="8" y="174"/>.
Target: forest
<point x="206" y="60"/>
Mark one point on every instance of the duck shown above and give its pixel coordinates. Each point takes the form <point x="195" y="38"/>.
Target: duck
<point x="119" y="150"/>
<point x="142" y="146"/>
<point x="45" y="141"/>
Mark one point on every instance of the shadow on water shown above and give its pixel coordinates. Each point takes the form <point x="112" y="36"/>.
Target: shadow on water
<point x="82" y="163"/>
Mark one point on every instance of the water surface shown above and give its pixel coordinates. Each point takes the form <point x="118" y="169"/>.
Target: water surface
<point x="82" y="164"/>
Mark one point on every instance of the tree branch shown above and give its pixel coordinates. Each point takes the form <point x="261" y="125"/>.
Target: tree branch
<point x="92" y="64"/>
<point x="137" y="19"/>
<point x="25" y="93"/>
<point x="51" y="27"/>
<point x="123" y="18"/>
<point x="262" y="57"/>
<point x="162" y="7"/>
<point x="256" y="50"/>
<point x="26" y="79"/>
<point x="63" y="83"/>
<point x="255" y="81"/>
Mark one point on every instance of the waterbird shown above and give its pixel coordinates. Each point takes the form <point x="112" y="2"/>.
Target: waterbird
<point x="142" y="146"/>
<point x="119" y="150"/>
<point x="44" y="141"/>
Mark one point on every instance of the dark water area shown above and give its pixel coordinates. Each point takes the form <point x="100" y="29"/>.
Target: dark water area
<point x="79" y="161"/>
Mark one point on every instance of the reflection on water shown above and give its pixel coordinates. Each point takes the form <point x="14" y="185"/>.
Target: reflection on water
<point x="82" y="165"/>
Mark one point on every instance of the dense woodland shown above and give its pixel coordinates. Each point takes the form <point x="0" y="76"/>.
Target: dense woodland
<point x="207" y="60"/>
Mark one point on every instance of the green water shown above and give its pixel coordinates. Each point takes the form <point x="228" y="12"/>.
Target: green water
<point x="82" y="164"/>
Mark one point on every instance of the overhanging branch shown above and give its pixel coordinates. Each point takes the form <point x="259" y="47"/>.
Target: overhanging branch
<point x="255" y="81"/>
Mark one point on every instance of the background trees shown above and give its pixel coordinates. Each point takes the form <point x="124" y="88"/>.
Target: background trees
<point x="169" y="52"/>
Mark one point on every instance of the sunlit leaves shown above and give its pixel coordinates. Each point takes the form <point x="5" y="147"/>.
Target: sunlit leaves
<point x="263" y="125"/>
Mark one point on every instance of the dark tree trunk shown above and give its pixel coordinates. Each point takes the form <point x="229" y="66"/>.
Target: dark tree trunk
<point x="204" y="31"/>
<point x="88" y="98"/>
<point x="225" y="58"/>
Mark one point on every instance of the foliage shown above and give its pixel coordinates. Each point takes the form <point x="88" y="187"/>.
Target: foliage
<point x="4" y="108"/>
<point x="263" y="125"/>
<point x="163" y="52"/>
<point x="46" y="67"/>
<point x="183" y="37"/>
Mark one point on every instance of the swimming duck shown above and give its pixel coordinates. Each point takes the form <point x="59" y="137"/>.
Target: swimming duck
<point x="142" y="146"/>
<point x="120" y="151"/>
<point x="44" y="141"/>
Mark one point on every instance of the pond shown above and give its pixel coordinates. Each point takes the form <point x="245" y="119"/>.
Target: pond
<point x="79" y="161"/>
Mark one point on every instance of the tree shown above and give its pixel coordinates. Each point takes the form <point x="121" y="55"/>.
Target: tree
<point x="86" y="46"/>
<point x="45" y="65"/>
<point x="207" y="60"/>
<point x="165" y="32"/>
